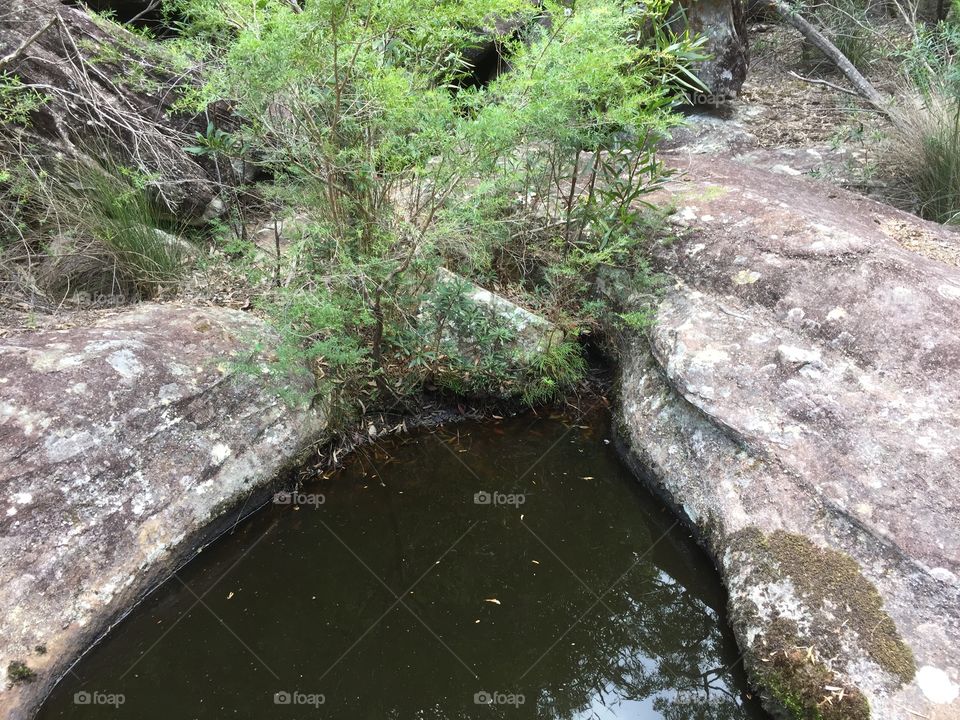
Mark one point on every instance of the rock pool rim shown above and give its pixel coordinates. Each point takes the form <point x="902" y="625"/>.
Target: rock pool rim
<point x="789" y="683"/>
<point x="322" y="457"/>
<point x="592" y="450"/>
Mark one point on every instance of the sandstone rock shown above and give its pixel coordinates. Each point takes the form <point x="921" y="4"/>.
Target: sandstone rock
<point x="291" y="230"/>
<point x="808" y="425"/>
<point x="534" y="334"/>
<point x="124" y="447"/>
<point x="124" y="87"/>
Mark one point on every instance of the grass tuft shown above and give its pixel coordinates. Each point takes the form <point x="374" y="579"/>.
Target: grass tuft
<point x="927" y="149"/>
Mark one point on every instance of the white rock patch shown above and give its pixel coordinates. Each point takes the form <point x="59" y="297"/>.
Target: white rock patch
<point x="936" y="685"/>
<point x="219" y="453"/>
<point x="125" y="363"/>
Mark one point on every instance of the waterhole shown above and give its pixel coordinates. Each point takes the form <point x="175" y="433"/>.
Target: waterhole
<point x="507" y="570"/>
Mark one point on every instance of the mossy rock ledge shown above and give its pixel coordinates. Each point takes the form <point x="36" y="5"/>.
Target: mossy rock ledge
<point x="797" y="400"/>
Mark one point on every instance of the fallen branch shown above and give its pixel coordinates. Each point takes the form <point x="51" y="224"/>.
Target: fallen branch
<point x="15" y="55"/>
<point x="818" y="81"/>
<point x="862" y="86"/>
<point x="92" y="109"/>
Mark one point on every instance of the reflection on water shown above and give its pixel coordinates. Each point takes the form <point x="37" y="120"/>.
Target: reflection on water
<point x="513" y="570"/>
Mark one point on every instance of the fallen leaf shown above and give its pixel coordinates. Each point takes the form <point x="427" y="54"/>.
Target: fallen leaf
<point x="492" y="600"/>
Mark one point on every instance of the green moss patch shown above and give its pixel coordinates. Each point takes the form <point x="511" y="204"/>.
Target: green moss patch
<point x="789" y="663"/>
<point x="801" y="684"/>
<point x="826" y="575"/>
<point x="18" y="672"/>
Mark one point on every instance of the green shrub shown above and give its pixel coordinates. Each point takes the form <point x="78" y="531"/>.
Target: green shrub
<point x="928" y="152"/>
<point x="16" y="101"/>
<point x="109" y="212"/>
<point x="852" y="28"/>
<point x="525" y="185"/>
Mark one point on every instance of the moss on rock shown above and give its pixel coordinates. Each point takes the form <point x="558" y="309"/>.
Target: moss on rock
<point x="840" y="606"/>
<point x="827" y="575"/>
<point x="801" y="684"/>
<point x="19" y="672"/>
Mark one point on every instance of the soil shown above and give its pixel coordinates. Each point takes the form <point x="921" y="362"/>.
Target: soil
<point x="786" y="112"/>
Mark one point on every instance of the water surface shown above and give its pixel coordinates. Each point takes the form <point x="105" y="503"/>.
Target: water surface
<point x="512" y="570"/>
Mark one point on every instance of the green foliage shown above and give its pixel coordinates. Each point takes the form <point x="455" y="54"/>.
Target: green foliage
<point x="18" y="672"/>
<point x="850" y="25"/>
<point x="935" y="170"/>
<point x="112" y="205"/>
<point x="16" y="101"/>
<point x="927" y="127"/>
<point x="361" y="112"/>
<point x="215" y="141"/>
<point x="94" y="225"/>
<point x="18" y="196"/>
<point x="930" y="61"/>
<point x="552" y="371"/>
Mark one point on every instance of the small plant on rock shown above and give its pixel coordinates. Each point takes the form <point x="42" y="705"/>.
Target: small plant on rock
<point x="18" y="672"/>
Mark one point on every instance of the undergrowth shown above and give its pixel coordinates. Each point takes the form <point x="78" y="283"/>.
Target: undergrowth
<point x="397" y="167"/>
<point x="364" y="124"/>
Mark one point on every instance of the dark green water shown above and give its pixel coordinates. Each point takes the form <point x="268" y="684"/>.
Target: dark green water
<point x="379" y="602"/>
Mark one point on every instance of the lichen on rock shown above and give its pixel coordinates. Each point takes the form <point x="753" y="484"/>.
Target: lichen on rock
<point x="121" y="446"/>
<point x="807" y="425"/>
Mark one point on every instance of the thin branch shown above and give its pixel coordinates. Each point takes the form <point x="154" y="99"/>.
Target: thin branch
<point x="148" y="9"/>
<point x="15" y="55"/>
<point x="817" y="81"/>
<point x="863" y="86"/>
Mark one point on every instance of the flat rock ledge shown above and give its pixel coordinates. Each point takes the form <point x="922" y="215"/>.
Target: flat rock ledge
<point x="124" y="447"/>
<point x="798" y="399"/>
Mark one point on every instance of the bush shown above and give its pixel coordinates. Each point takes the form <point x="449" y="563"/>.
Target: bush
<point x="852" y="27"/>
<point x="526" y="184"/>
<point x="109" y="233"/>
<point x="927" y="150"/>
<point x="87" y="227"/>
